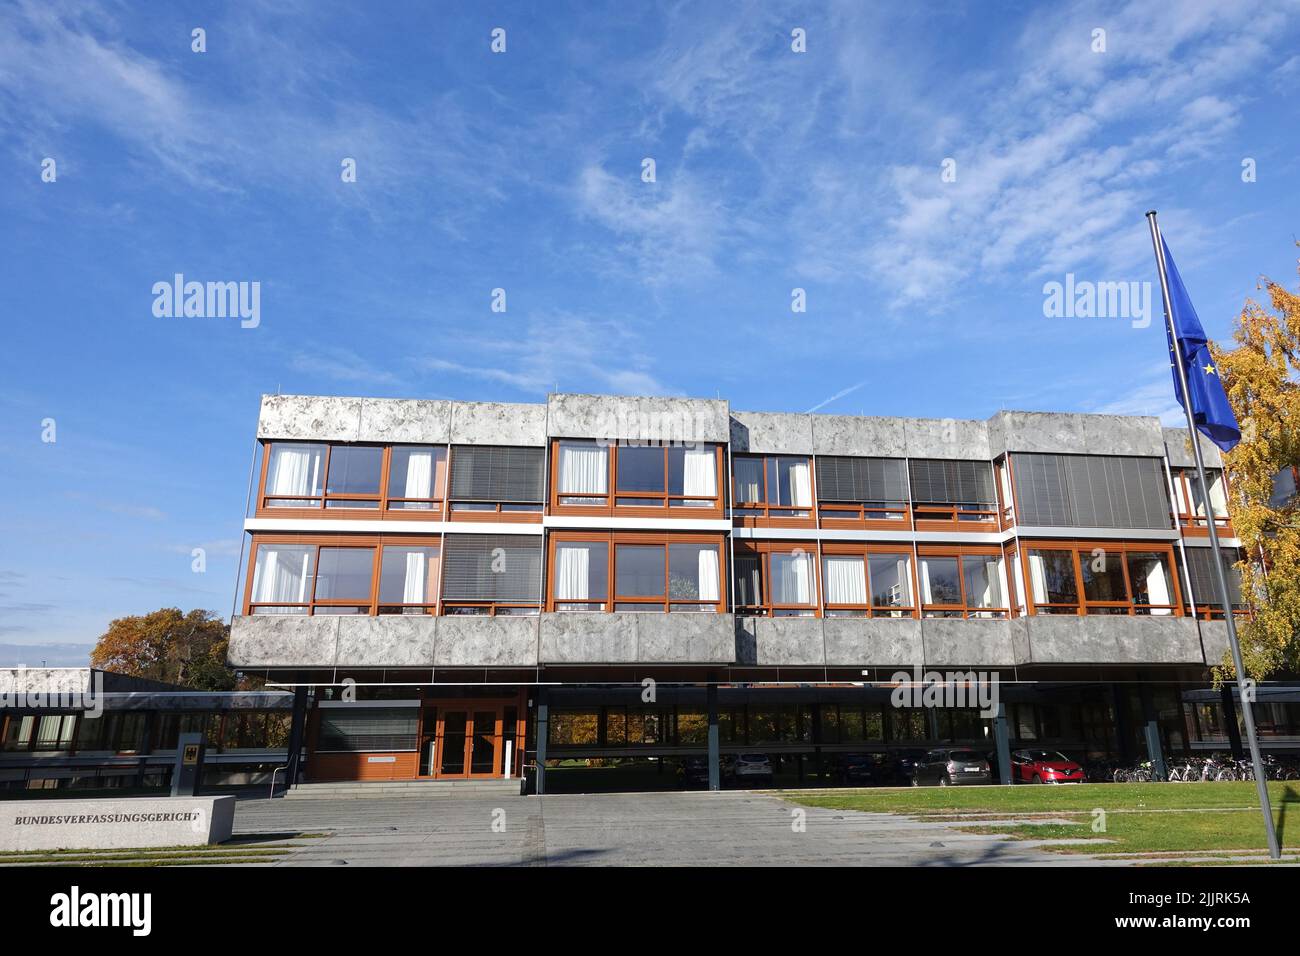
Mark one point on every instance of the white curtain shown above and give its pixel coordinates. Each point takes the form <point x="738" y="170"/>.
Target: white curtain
<point x="749" y="480"/>
<point x="584" y="469"/>
<point x="413" y="587"/>
<point x="295" y="470"/>
<point x="1038" y="578"/>
<point x="845" y="579"/>
<point x="698" y="474"/>
<point x="1019" y="583"/>
<point x="277" y="581"/>
<point x="708" y="574"/>
<point x="1158" y="588"/>
<point x="419" y="475"/>
<point x="793" y="578"/>
<point x="926" y="597"/>
<point x="800" y="485"/>
<point x="572" y="572"/>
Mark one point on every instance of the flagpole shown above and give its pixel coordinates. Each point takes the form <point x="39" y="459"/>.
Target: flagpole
<point x="1261" y="782"/>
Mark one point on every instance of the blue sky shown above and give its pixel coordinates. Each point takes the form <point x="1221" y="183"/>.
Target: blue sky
<point x="522" y="170"/>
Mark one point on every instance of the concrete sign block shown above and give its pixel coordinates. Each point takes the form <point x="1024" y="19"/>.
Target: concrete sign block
<point x="115" y="823"/>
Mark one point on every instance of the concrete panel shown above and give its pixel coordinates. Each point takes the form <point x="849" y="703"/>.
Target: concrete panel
<point x="1179" y="449"/>
<point x="856" y="435"/>
<point x="498" y="423"/>
<point x="771" y="433"/>
<point x="611" y="417"/>
<point x="309" y="417"/>
<point x="746" y="640"/>
<point x="946" y="438"/>
<point x="1158" y="640"/>
<point x="588" y="638"/>
<point x="1020" y="647"/>
<point x="1045" y="432"/>
<point x="391" y="640"/>
<point x="976" y="642"/>
<point x="18" y="681"/>
<point x="1214" y="641"/>
<point x="283" y="640"/>
<point x="789" y="641"/>
<point x="1104" y="639"/>
<point x="483" y="641"/>
<point x="408" y="421"/>
<point x="115" y="823"/>
<point x="1122" y="435"/>
<point x="685" y="638"/>
<point x="872" y="642"/>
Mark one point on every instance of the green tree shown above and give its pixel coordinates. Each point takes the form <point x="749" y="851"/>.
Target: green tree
<point x="1260" y="376"/>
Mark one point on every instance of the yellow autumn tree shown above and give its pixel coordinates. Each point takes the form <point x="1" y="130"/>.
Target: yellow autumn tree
<point x="1262" y="378"/>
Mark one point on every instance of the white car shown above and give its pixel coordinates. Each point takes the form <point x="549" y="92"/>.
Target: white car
<point x="752" y="768"/>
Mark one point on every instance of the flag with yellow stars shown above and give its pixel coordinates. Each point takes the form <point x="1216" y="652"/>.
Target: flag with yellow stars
<point x="1210" y="408"/>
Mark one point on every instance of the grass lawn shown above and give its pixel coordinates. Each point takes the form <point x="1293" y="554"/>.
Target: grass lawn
<point x="1139" y="818"/>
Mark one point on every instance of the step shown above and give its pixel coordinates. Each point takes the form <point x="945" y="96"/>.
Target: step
<point x="403" y="788"/>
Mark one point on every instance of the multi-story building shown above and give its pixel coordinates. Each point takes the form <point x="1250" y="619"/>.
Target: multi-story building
<point x="462" y="589"/>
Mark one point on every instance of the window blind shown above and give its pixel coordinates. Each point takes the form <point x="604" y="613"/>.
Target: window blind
<point x="492" y="567"/>
<point x="952" y="482"/>
<point x="861" y="479"/>
<point x="1091" y="491"/>
<point x="1205" y="587"/>
<point x="497" y="473"/>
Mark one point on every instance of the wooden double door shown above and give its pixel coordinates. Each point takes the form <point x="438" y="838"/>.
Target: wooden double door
<point x="465" y="738"/>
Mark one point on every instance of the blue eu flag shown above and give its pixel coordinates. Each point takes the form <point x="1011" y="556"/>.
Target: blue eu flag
<point x="1210" y="409"/>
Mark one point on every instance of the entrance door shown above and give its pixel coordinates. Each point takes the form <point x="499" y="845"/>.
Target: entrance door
<point x="468" y="742"/>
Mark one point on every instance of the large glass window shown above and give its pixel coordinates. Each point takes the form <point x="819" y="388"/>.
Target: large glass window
<point x="343" y="580"/>
<point x="353" y="480"/>
<point x="295" y="475"/>
<point x="582" y="473"/>
<point x="672" y="476"/>
<point x="876" y="584"/>
<point x="952" y="490"/>
<point x="581" y="575"/>
<point x="487" y="478"/>
<point x="408" y="580"/>
<point x="492" y="574"/>
<point x="1187" y="488"/>
<point x="1148" y="574"/>
<point x="963" y="585"/>
<point x="1052" y="581"/>
<point x="679" y="576"/>
<point x="1105" y="579"/>
<point x="777" y="581"/>
<point x="282" y="578"/>
<point x="778" y="486"/>
<point x="350" y="476"/>
<point x="417" y="477"/>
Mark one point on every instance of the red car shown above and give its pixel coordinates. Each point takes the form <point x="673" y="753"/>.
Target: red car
<point x="1044" y="766"/>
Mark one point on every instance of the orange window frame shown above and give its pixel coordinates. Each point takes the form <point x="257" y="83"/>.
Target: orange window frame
<point x="763" y="551"/>
<point x="866" y="552"/>
<point x="612" y="540"/>
<point x="1184" y="482"/>
<point x="964" y="609"/>
<point x="383" y="501"/>
<point x="665" y="502"/>
<point x="375" y="543"/>
<point x="749" y="514"/>
<point x="1081" y="551"/>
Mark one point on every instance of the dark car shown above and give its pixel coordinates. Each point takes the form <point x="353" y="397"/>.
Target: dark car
<point x="906" y="764"/>
<point x="1044" y="766"/>
<point x="952" y="768"/>
<point x="861" y="770"/>
<point x="694" y="772"/>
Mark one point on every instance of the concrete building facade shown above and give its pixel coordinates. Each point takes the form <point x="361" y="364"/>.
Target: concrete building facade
<point x="464" y="589"/>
